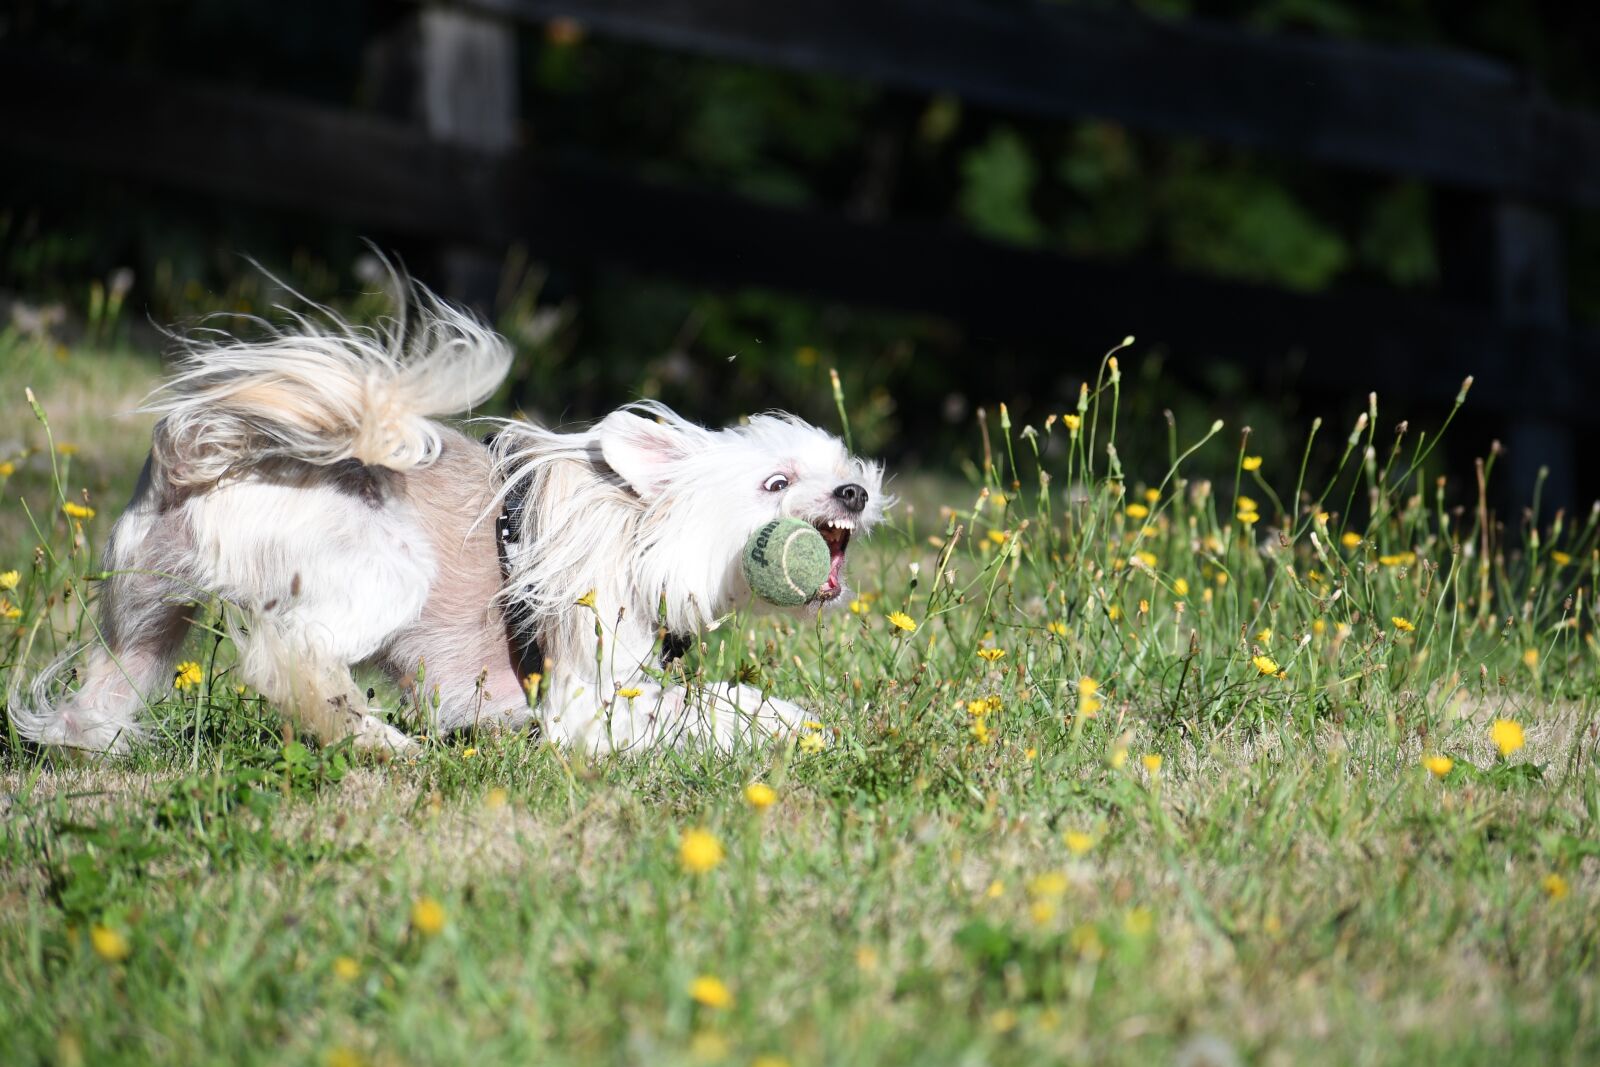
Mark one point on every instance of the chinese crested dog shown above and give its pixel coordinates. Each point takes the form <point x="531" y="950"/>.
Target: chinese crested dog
<point x="302" y="480"/>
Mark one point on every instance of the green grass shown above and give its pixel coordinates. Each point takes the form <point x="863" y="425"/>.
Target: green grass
<point x="970" y="860"/>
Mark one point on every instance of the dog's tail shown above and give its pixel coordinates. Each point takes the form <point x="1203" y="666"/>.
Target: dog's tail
<point x="323" y="391"/>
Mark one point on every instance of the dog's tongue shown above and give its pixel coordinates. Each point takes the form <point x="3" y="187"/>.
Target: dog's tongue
<point x="831" y="587"/>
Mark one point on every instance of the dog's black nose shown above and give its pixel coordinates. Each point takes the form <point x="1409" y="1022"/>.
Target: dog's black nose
<point x="852" y="496"/>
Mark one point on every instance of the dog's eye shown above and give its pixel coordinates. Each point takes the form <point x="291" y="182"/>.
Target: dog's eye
<point x="775" y="484"/>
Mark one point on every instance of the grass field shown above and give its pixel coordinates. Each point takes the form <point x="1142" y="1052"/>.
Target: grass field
<point x="1107" y="767"/>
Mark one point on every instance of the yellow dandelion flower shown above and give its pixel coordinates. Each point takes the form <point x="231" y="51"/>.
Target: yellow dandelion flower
<point x="428" y="917"/>
<point x="811" y="744"/>
<point x="9" y="580"/>
<point x="1180" y="587"/>
<point x="187" y="674"/>
<point x="346" y="969"/>
<point x="629" y="692"/>
<point x="1052" y="885"/>
<point x="711" y="992"/>
<point x="1249" y="518"/>
<point x="901" y="621"/>
<point x="1086" y="941"/>
<point x="1058" y="628"/>
<point x="109" y="944"/>
<point x="468" y="752"/>
<point x="66" y="448"/>
<point x="8" y="610"/>
<point x="999" y="537"/>
<point x="1222" y="578"/>
<point x="1146" y="557"/>
<point x="1252" y="463"/>
<point x="700" y="851"/>
<point x="1398" y="559"/>
<point x="1350" y="539"/>
<point x="1139" y="922"/>
<point x="1072" y="422"/>
<point x="530" y="684"/>
<point x="991" y="654"/>
<point x="7" y="469"/>
<point x="980" y="732"/>
<point x="1136" y="511"/>
<point x="1555" y="885"/>
<point x="1119" y="757"/>
<point x="1029" y="753"/>
<point x="1003" y="1021"/>
<point x="77" y="511"/>
<point x="1078" y="842"/>
<point x="1319" y="627"/>
<point x="1246" y="503"/>
<point x="1264" y="634"/>
<point x="1506" y="735"/>
<point x="1561" y="558"/>
<point x="1265" y="664"/>
<point x="760" y="795"/>
<point x="1041" y="911"/>
<point x="1114" y="612"/>
<point x="1438" y="765"/>
<point x="996" y="890"/>
<point x="1212" y="543"/>
<point x="858" y="606"/>
<point x="1152" y="763"/>
<point x="1152" y="495"/>
<point x="1403" y="624"/>
<point x="1530" y="658"/>
<point x="1144" y="606"/>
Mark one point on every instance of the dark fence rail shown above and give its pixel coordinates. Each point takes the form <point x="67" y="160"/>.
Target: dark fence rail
<point x="1441" y="115"/>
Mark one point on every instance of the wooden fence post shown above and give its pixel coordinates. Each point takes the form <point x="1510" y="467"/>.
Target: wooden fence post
<point x="453" y="72"/>
<point x="467" y="74"/>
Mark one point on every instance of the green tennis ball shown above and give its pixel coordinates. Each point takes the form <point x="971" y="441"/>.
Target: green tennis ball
<point x="786" y="562"/>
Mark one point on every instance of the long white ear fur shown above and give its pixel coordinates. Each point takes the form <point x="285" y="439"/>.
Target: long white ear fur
<point x="640" y="450"/>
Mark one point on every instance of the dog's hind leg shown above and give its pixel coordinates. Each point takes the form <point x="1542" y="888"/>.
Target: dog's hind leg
<point x="311" y="684"/>
<point x="321" y="569"/>
<point x="143" y="613"/>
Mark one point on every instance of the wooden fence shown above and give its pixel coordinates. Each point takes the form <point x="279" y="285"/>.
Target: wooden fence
<point x="1508" y="157"/>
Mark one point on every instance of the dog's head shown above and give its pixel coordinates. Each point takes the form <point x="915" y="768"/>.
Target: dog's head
<point x="705" y="491"/>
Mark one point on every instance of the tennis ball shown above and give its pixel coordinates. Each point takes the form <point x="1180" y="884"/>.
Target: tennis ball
<point x="786" y="562"/>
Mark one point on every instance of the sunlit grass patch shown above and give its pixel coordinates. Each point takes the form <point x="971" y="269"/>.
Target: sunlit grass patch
<point x="1105" y="766"/>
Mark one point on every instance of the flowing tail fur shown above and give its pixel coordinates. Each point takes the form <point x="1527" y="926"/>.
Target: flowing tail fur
<point x="319" y="391"/>
<point x="322" y="391"/>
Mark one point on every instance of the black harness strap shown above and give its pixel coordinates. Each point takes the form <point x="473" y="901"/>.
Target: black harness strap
<point x="525" y="644"/>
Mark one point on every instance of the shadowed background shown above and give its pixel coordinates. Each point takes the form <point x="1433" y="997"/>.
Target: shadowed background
<point x="955" y="203"/>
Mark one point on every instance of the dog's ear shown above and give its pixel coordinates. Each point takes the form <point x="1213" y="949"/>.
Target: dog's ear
<point x="640" y="450"/>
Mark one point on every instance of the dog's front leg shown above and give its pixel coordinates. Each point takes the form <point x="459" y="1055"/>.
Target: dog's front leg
<point x="647" y="714"/>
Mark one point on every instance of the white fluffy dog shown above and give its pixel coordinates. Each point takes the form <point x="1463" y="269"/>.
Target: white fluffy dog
<point x="302" y="480"/>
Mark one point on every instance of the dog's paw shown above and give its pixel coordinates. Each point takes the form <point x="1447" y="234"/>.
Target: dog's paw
<point x="374" y="735"/>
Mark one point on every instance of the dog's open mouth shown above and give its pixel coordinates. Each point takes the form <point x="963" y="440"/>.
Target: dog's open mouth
<point x="837" y="533"/>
